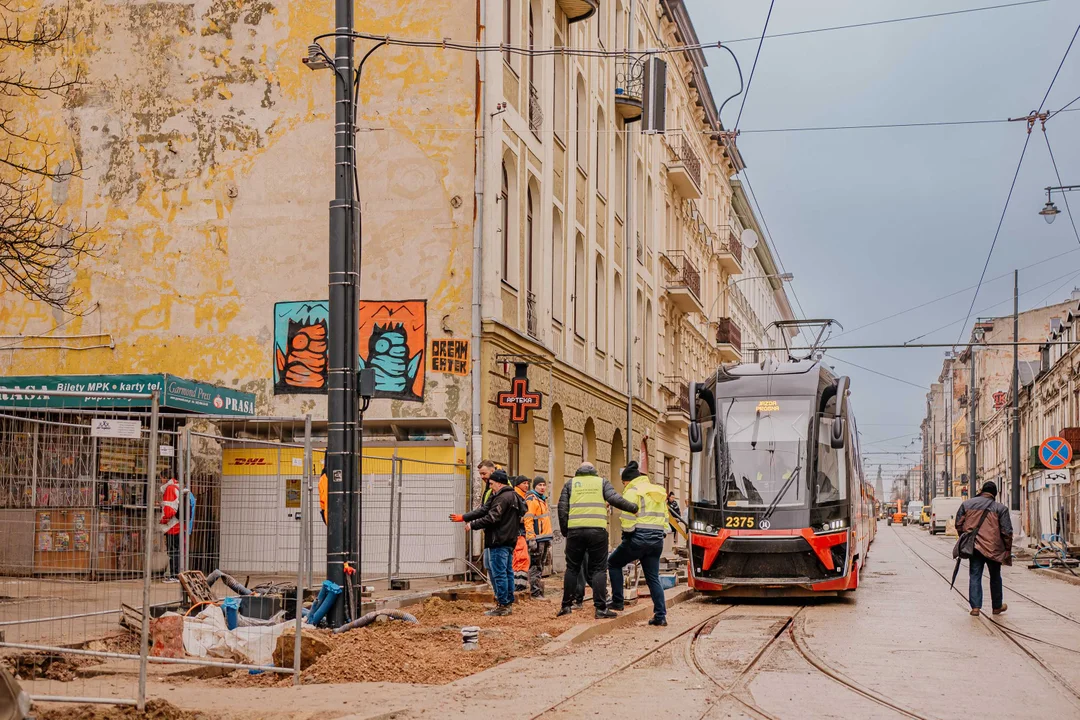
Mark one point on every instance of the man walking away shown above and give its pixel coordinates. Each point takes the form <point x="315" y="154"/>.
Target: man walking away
<point x="501" y="523"/>
<point x="537" y="534"/>
<point x="642" y="540"/>
<point x="993" y="545"/>
<point x="170" y="523"/>
<point x="521" y="550"/>
<point x="583" y="522"/>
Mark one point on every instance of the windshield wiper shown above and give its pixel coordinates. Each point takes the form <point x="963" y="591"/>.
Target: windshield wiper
<point x="783" y="491"/>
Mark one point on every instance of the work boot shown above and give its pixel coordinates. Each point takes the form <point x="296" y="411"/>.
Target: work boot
<point x="499" y="611"/>
<point x="564" y="610"/>
<point x="658" y="621"/>
<point x="577" y="605"/>
<point x="975" y="612"/>
<point x="616" y="606"/>
<point x="1003" y="608"/>
<point x="604" y="614"/>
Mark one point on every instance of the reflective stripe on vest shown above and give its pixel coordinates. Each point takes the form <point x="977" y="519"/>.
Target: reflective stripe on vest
<point x="654" y="511"/>
<point x="587" y="506"/>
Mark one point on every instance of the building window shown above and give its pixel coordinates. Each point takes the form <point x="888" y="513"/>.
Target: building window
<point x="601" y="153"/>
<point x="578" y="298"/>
<point x="581" y="127"/>
<point x="507" y="27"/>
<point x="620" y="319"/>
<point x="600" y="305"/>
<point x="504" y="220"/>
<point x="529" y="240"/>
<point x="620" y="175"/>
<point x="558" y="267"/>
<point x="559" y="123"/>
<point x="532" y="47"/>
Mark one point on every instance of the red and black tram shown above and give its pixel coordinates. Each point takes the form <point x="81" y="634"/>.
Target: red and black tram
<point x="779" y="504"/>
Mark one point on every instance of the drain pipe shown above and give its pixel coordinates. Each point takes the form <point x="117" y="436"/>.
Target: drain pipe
<point x="476" y="443"/>
<point x="631" y="268"/>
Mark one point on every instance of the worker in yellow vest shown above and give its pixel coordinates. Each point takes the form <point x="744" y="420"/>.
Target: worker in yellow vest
<point x="642" y="540"/>
<point x="583" y="522"/>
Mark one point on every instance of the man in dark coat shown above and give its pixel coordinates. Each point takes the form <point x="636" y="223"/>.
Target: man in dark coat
<point x="993" y="545"/>
<point x="501" y="524"/>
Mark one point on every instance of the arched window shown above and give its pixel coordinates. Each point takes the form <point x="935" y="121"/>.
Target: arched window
<point x="579" y="297"/>
<point x="504" y="224"/>
<point x="559" y="123"/>
<point x="508" y="7"/>
<point x="650" y="341"/>
<point x="601" y="153"/>
<point x="620" y="175"/>
<point x="647" y="230"/>
<point x="620" y="319"/>
<point x="581" y="127"/>
<point x="558" y="267"/>
<point x="600" y="304"/>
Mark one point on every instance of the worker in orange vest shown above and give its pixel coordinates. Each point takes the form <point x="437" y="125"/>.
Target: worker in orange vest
<point x="322" y="496"/>
<point x="537" y="534"/>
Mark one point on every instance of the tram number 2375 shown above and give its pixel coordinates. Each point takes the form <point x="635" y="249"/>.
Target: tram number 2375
<point x="739" y="521"/>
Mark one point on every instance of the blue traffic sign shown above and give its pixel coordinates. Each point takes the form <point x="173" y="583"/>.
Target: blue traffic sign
<point x="1055" y="452"/>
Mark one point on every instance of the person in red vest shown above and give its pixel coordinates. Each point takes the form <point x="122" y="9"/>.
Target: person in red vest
<point x="170" y="523"/>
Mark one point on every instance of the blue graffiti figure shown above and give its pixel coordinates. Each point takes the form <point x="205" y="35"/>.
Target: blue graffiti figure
<point x="388" y="354"/>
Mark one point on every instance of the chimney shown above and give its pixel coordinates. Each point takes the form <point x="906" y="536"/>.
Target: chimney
<point x="1075" y="295"/>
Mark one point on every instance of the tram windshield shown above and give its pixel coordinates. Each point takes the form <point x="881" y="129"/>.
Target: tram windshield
<point x="762" y="451"/>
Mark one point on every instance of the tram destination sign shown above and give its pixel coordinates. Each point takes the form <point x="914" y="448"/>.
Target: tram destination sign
<point x="176" y="394"/>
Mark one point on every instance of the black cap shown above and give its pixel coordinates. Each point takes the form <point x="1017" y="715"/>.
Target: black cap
<point x="537" y="480"/>
<point x="631" y="471"/>
<point x="520" y="479"/>
<point x="989" y="487"/>
<point x="499" y="476"/>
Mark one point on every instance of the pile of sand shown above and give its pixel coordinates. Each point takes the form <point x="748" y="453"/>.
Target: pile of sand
<point x="155" y="710"/>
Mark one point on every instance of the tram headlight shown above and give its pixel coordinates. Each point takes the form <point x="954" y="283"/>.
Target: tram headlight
<point x="703" y="528"/>
<point x="832" y="526"/>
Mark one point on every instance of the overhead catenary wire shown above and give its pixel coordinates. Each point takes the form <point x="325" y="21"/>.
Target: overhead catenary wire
<point x="757" y="55"/>
<point x="876" y="372"/>
<point x="1064" y="196"/>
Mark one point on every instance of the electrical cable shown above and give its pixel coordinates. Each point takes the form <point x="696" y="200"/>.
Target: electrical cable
<point x="750" y="80"/>
<point x="1058" y="71"/>
<point x="1065" y="108"/>
<point x="891" y="21"/>
<point x="1064" y="196"/>
<point x="881" y="126"/>
<point x="876" y="372"/>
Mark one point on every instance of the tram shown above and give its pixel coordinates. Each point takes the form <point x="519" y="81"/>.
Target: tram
<point x="779" y="503"/>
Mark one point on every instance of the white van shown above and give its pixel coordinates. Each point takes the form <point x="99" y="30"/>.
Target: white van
<point x="914" y="510"/>
<point x="942" y="510"/>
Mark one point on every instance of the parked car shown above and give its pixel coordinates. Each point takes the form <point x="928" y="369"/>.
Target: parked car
<point x="943" y="509"/>
<point x="924" y="518"/>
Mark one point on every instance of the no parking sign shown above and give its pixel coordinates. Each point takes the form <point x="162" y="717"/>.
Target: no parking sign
<point x="1055" y="452"/>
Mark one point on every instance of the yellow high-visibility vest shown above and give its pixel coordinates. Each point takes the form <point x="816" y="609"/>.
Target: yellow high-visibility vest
<point x="587" y="506"/>
<point x="652" y="505"/>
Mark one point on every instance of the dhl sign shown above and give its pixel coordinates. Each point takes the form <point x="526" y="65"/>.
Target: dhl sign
<point x="267" y="461"/>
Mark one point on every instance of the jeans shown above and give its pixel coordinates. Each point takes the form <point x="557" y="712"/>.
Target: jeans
<point x="172" y="544"/>
<point x="537" y="560"/>
<point x="500" y="563"/>
<point x="975" y="573"/>
<point x="594" y="543"/>
<point x="648" y="551"/>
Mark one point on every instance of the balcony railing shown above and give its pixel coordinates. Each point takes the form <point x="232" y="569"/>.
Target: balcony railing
<point x="536" y="115"/>
<point x="728" y="333"/>
<point x="680" y="394"/>
<point x="686" y="158"/>
<point x="682" y="273"/>
<point x="530" y="316"/>
<point x="629" y="85"/>
<point x="729" y="242"/>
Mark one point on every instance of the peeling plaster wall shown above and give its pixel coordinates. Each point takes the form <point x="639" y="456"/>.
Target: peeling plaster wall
<point x="208" y="155"/>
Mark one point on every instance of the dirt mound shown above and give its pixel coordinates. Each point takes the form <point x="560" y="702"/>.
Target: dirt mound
<point x="155" y="710"/>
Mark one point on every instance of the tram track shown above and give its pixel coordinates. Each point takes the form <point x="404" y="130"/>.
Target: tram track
<point x="1011" y="634"/>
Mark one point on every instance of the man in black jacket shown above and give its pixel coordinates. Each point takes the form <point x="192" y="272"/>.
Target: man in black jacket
<point x="583" y="522"/>
<point x="501" y="524"/>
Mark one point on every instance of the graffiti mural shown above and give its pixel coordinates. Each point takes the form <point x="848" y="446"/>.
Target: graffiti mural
<point x="300" y="330"/>
<point x="393" y="335"/>
<point x="392" y="338"/>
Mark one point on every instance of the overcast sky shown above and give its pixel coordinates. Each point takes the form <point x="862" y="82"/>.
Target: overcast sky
<point x="872" y="222"/>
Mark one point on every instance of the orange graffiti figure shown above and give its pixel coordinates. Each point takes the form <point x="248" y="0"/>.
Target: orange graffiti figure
<point x="305" y="364"/>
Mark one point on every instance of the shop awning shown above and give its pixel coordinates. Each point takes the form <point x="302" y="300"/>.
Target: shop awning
<point x="174" y="393"/>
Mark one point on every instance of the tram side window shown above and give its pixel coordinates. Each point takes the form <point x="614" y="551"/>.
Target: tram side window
<point x="830" y="483"/>
<point x="703" y="485"/>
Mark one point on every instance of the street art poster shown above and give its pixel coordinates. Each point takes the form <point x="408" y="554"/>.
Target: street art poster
<point x="450" y="356"/>
<point x="300" y="346"/>
<point x="393" y="335"/>
<point x="392" y="338"/>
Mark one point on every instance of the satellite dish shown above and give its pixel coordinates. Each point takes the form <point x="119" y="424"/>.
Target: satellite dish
<point x="749" y="239"/>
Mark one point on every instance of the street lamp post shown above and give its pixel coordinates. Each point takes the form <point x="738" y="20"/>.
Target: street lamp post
<point x="783" y="277"/>
<point x="1050" y="210"/>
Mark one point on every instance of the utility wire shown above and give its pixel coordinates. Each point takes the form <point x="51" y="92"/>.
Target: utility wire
<point x="889" y="21"/>
<point x="1065" y="108"/>
<point x="1058" y="71"/>
<point x="1064" y="196"/>
<point x="954" y="293"/>
<point x="881" y="126"/>
<point x="876" y="372"/>
<point x="753" y="67"/>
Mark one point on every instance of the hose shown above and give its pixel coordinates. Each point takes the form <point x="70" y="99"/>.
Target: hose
<point x="370" y="618"/>
<point x="328" y="595"/>
<point x="229" y="580"/>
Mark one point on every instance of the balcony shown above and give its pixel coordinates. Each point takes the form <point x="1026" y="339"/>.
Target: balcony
<point x="629" y="86"/>
<point x="682" y="282"/>
<point x="536" y="115"/>
<point x="578" y="10"/>
<point x="640" y="250"/>
<point x="728" y="340"/>
<point x="676" y="401"/>
<point x="684" y="169"/>
<point x="728" y="250"/>
<point x="531" y="323"/>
